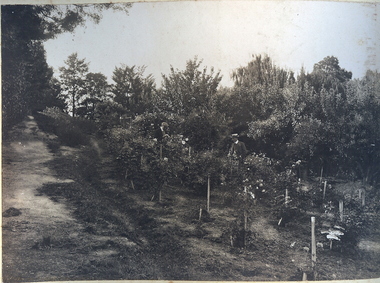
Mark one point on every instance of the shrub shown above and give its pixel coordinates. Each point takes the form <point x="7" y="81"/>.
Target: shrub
<point x="199" y="166"/>
<point x="71" y="131"/>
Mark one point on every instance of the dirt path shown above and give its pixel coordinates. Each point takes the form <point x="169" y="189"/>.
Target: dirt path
<point x="26" y="235"/>
<point x="46" y="242"/>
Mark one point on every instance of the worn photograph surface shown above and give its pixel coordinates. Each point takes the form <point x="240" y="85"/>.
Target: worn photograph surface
<point x="190" y="140"/>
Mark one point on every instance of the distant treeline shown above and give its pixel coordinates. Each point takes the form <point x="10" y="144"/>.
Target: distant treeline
<point x="324" y="118"/>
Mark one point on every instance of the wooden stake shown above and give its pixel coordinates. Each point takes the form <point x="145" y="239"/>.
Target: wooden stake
<point x="133" y="186"/>
<point x="313" y="244"/>
<point x="189" y="151"/>
<point x="286" y="197"/>
<point x="200" y="214"/>
<point x="324" y="190"/>
<point x="160" y="151"/>
<point x="304" y="276"/>
<point x="321" y="174"/>
<point x="363" y="198"/>
<point x="159" y="195"/>
<point x="208" y="193"/>
<point x="245" y="220"/>
<point x="341" y="210"/>
<point x="245" y="210"/>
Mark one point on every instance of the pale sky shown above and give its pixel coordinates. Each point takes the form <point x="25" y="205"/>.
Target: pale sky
<point x="225" y="35"/>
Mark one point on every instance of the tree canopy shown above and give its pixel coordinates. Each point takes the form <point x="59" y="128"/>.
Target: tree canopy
<point x="26" y="77"/>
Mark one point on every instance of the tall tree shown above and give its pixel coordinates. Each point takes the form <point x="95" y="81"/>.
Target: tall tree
<point x="73" y="79"/>
<point x="257" y="92"/>
<point x="132" y="89"/>
<point x="190" y="90"/>
<point x="95" y="91"/>
<point x="25" y="74"/>
<point x="328" y="74"/>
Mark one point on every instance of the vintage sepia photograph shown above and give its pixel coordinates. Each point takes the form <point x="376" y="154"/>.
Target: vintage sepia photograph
<point x="190" y="140"/>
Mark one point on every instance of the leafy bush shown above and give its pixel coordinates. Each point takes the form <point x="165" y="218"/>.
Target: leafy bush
<point x="199" y="166"/>
<point x="71" y="131"/>
<point x="140" y="159"/>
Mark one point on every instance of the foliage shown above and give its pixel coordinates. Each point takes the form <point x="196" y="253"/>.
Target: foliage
<point x="95" y="91"/>
<point x="199" y="166"/>
<point x="139" y="156"/>
<point x="204" y="130"/>
<point x="190" y="90"/>
<point x="27" y="82"/>
<point x="328" y="74"/>
<point x="107" y="114"/>
<point x="261" y="71"/>
<point x="73" y="81"/>
<point x="70" y="130"/>
<point x="257" y="92"/>
<point x="57" y="19"/>
<point x="132" y="90"/>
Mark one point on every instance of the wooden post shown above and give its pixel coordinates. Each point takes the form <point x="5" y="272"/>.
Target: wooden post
<point x="363" y="198"/>
<point x="341" y="210"/>
<point x="324" y="190"/>
<point x="200" y="214"/>
<point x="245" y="208"/>
<point x="208" y="193"/>
<point x="304" y="276"/>
<point x="159" y="195"/>
<point x="321" y="174"/>
<point x="189" y="151"/>
<point x="313" y="244"/>
<point x="160" y="151"/>
<point x="286" y="197"/>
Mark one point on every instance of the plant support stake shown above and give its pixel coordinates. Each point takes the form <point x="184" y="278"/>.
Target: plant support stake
<point x="324" y="190"/>
<point x="321" y="174"/>
<point x="208" y="193"/>
<point x="286" y="197"/>
<point x="313" y="244"/>
<point x="341" y="210"/>
<point x="363" y="198"/>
